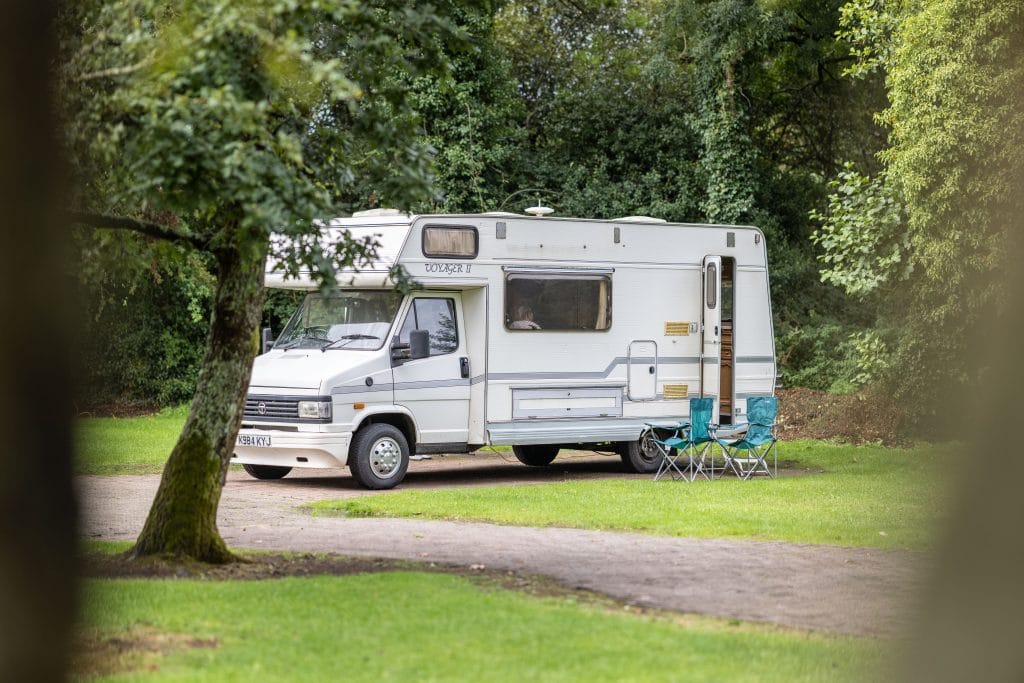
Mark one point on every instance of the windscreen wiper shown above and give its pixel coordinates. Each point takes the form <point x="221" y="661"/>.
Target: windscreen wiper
<point x="298" y="340"/>
<point x="347" y="338"/>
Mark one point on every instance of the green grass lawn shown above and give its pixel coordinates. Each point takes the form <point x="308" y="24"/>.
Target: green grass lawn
<point x="851" y="495"/>
<point x="406" y="626"/>
<point x="134" y="445"/>
<point x="834" y="493"/>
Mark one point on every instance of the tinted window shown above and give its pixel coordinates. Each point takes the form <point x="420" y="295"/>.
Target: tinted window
<point x="449" y="242"/>
<point x="436" y="316"/>
<point x="711" y="290"/>
<point x="538" y="301"/>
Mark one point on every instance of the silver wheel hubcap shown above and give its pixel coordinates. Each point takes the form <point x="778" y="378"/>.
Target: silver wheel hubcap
<point x="385" y="457"/>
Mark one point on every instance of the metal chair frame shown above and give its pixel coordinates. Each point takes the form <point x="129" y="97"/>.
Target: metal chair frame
<point x="669" y="447"/>
<point x="680" y="440"/>
<point x="759" y="446"/>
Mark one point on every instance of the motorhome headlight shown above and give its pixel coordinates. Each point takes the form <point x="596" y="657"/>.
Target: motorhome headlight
<point x="315" y="410"/>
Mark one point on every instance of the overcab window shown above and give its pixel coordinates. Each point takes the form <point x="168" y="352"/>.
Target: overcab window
<point x="450" y="241"/>
<point x="558" y="301"/>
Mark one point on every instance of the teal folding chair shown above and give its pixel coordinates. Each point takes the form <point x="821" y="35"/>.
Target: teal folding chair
<point x="693" y="437"/>
<point x="745" y="455"/>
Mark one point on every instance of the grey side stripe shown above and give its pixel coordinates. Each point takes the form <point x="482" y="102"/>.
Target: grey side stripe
<point x="427" y="384"/>
<point x="432" y="384"/>
<point x="361" y="389"/>
<point x="621" y="360"/>
<point x="711" y="360"/>
<point x="755" y="359"/>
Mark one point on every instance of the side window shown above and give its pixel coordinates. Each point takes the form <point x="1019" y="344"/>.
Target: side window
<point x="542" y="301"/>
<point x="436" y="316"/>
<point x="450" y="241"/>
<point x="712" y="286"/>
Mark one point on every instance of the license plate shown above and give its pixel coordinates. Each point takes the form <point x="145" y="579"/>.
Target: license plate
<point x="254" y="440"/>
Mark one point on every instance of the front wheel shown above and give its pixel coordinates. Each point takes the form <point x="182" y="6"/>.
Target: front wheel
<point x="641" y="456"/>
<point x="379" y="456"/>
<point x="266" y="471"/>
<point x="535" y="456"/>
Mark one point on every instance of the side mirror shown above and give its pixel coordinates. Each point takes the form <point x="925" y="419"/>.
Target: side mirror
<point x="419" y="344"/>
<point x="399" y="352"/>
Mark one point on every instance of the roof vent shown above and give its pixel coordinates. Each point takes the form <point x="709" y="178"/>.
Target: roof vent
<point x="539" y="210"/>
<point x="639" y="219"/>
<point x="372" y="213"/>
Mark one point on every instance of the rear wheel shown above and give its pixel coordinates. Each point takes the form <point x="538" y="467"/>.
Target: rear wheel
<point x="266" y="471"/>
<point x="640" y="456"/>
<point x="379" y="456"/>
<point x="535" y="456"/>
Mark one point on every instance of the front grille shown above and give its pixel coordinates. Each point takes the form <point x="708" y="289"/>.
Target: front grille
<point x="271" y="408"/>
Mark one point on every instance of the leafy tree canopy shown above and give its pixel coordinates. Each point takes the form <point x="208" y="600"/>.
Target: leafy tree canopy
<point x="214" y="123"/>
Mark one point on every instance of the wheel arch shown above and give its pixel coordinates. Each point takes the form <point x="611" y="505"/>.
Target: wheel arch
<point x="403" y="422"/>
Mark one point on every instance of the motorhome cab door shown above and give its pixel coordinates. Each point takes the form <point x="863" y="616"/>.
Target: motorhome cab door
<point x="711" y="331"/>
<point x="435" y="389"/>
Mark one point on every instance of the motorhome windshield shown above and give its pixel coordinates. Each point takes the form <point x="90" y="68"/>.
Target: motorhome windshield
<point x="345" y="320"/>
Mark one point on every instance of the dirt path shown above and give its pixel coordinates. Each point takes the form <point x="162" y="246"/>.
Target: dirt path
<point x="844" y="590"/>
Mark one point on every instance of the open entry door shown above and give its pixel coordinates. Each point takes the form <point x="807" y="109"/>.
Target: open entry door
<point x="711" y="331"/>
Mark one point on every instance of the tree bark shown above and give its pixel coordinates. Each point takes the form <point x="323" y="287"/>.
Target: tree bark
<point x="182" y="521"/>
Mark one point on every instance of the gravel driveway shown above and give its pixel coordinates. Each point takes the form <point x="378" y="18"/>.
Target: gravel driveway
<point x="843" y="590"/>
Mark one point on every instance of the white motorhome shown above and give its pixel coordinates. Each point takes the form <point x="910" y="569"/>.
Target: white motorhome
<point x="535" y="332"/>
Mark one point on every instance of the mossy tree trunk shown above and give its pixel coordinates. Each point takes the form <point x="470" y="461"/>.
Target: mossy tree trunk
<point x="182" y="521"/>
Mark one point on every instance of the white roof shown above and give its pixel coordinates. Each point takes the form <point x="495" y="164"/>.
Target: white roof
<point x="388" y="230"/>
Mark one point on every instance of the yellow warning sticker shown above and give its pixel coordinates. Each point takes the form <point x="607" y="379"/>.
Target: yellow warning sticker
<point x="676" y="390"/>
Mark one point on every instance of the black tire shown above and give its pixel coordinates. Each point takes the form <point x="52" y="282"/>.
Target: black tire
<point x="640" y="456"/>
<point x="535" y="456"/>
<point x="379" y="456"/>
<point x="266" y="471"/>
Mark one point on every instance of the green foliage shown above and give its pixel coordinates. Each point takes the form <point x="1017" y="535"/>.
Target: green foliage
<point x="863" y="236"/>
<point x="867" y="26"/>
<point x="604" y="111"/>
<point x="233" y="120"/>
<point x="954" y="74"/>
<point x="958" y="163"/>
<point x="818" y="354"/>
<point x="279" y="307"/>
<point x="689" y="110"/>
<point x="213" y="124"/>
<point x="144" y="321"/>
<point x="873" y="356"/>
<point x="470" y="119"/>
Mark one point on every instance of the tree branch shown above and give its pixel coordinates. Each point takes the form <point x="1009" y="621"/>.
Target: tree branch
<point x="115" y="71"/>
<point x="157" y="230"/>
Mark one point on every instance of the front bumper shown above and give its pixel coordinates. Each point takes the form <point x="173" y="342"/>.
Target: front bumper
<point x="292" y="449"/>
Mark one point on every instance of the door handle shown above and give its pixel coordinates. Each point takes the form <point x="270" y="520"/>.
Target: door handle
<point x="464" y="367"/>
<point x="716" y="330"/>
